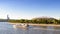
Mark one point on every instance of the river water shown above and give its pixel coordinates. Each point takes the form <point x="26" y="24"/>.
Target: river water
<point x="6" y="28"/>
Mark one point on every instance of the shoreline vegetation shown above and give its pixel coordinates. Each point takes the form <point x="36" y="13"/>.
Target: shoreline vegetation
<point x="46" y="21"/>
<point x="43" y="20"/>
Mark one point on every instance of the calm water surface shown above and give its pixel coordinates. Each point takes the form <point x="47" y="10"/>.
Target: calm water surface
<point x="6" y="28"/>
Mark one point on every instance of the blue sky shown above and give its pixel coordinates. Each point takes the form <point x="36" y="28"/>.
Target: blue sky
<point x="27" y="9"/>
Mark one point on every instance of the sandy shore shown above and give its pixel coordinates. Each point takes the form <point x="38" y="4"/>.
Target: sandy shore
<point x="37" y="24"/>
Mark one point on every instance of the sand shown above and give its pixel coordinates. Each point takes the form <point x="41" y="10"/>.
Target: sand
<point x="38" y="24"/>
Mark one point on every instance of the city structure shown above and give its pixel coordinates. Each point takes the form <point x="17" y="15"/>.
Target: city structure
<point x="4" y="20"/>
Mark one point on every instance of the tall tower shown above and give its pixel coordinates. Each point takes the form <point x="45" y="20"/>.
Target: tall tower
<point x="7" y="17"/>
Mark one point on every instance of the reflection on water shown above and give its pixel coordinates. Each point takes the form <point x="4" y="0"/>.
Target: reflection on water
<point x="6" y="28"/>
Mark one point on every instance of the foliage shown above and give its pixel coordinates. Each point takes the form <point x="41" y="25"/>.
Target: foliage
<point x="37" y="20"/>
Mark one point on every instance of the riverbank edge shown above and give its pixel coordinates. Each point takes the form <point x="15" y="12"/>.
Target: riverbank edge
<point x="56" y="25"/>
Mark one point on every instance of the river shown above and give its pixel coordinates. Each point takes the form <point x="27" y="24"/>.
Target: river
<point x="6" y="28"/>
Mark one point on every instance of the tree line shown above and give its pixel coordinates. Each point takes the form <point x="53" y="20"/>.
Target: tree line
<point x="37" y="21"/>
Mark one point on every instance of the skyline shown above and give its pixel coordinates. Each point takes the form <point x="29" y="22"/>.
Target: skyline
<point x="27" y="9"/>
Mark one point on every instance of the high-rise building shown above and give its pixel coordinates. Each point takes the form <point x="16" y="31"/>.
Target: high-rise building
<point x="7" y="17"/>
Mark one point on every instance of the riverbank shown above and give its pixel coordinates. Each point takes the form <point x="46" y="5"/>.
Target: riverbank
<point x="56" y="25"/>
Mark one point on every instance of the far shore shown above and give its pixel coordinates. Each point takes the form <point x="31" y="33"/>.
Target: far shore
<point x="55" y="25"/>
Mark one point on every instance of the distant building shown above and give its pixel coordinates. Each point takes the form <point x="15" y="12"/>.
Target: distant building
<point x="5" y="20"/>
<point x="8" y="17"/>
